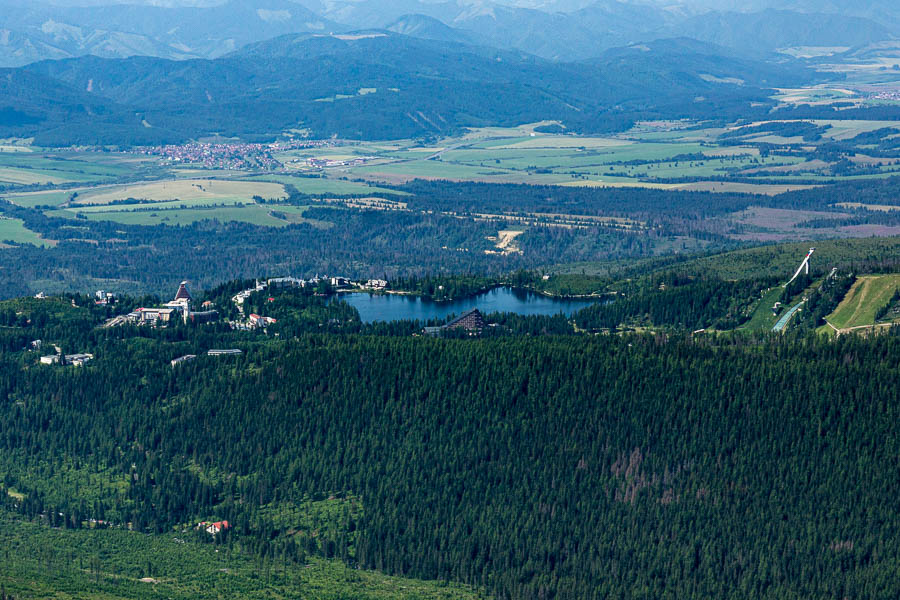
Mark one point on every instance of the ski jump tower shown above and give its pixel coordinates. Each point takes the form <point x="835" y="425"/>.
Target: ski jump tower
<point x="804" y="266"/>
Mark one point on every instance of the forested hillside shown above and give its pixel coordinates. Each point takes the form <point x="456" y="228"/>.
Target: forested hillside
<point x="382" y="85"/>
<point x="532" y="467"/>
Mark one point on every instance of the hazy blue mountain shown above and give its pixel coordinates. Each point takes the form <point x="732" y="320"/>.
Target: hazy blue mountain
<point x="563" y="30"/>
<point x="379" y="85"/>
<point x="556" y="36"/>
<point x="771" y="29"/>
<point x="17" y="48"/>
<point x="587" y="29"/>
<point x="34" y="30"/>
<point x="886" y="12"/>
<point x="711" y="62"/>
<point x="429" y="28"/>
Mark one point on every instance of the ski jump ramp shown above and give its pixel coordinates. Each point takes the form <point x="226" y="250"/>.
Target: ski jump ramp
<point x="803" y="266"/>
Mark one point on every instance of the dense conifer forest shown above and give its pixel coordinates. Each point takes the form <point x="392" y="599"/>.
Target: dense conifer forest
<point x="527" y="464"/>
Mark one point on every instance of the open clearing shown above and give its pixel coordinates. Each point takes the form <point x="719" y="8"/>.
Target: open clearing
<point x="505" y="242"/>
<point x="14" y="230"/>
<point x="255" y="214"/>
<point x="868" y="294"/>
<point x="194" y="191"/>
<point x="32" y="199"/>
<point x="27" y="168"/>
<point x="567" y="142"/>
<point x="315" y="186"/>
<point x="872" y="207"/>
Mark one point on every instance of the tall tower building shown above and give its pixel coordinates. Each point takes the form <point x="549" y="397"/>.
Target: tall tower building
<point x="183" y="297"/>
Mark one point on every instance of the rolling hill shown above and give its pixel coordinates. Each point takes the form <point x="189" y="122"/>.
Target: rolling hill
<point x="769" y="30"/>
<point x="414" y="87"/>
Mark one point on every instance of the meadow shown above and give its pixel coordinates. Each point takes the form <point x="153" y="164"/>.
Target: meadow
<point x="865" y="298"/>
<point x="188" y="191"/>
<point x="179" y="213"/>
<point x="43" y="562"/>
<point x="320" y="186"/>
<point x="14" y="230"/>
<point x="61" y="167"/>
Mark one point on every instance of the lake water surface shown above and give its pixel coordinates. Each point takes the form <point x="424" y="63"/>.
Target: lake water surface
<point x="395" y="307"/>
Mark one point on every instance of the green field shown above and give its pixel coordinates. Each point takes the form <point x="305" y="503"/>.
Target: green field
<point x="32" y="199"/>
<point x="170" y="214"/>
<point x="868" y="294"/>
<point x="193" y="191"/>
<point x="640" y="157"/>
<point x="315" y="186"/>
<point x="14" y="230"/>
<point x="41" y="562"/>
<point x="27" y="168"/>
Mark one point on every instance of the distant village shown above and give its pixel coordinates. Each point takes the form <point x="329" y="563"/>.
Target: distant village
<point x="234" y="155"/>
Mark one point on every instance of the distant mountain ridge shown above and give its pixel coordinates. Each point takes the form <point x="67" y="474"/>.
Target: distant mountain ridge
<point x="774" y="29"/>
<point x="563" y="30"/>
<point x="413" y="88"/>
<point x="36" y="31"/>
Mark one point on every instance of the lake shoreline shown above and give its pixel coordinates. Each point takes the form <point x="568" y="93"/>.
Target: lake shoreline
<point x="480" y="291"/>
<point x="384" y="306"/>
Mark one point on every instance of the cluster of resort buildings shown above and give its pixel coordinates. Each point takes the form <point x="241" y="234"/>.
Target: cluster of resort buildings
<point x="279" y="283"/>
<point x="75" y="360"/>
<point x="179" y="308"/>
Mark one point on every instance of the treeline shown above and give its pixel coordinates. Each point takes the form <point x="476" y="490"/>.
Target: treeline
<point x="677" y="301"/>
<point x="473" y="197"/>
<point x="810" y="132"/>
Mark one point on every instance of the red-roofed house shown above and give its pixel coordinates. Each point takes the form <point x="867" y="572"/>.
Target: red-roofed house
<point x="214" y="528"/>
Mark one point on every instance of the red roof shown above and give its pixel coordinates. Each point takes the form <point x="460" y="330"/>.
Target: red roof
<point x="183" y="293"/>
<point x="217" y="526"/>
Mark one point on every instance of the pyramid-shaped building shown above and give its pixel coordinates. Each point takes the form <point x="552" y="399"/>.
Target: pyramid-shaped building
<point x="183" y="293"/>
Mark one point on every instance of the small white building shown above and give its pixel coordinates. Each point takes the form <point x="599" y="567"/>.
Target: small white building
<point x="259" y="321"/>
<point x="76" y="360"/>
<point x="285" y="282"/>
<point x="229" y="352"/>
<point x="183" y="359"/>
